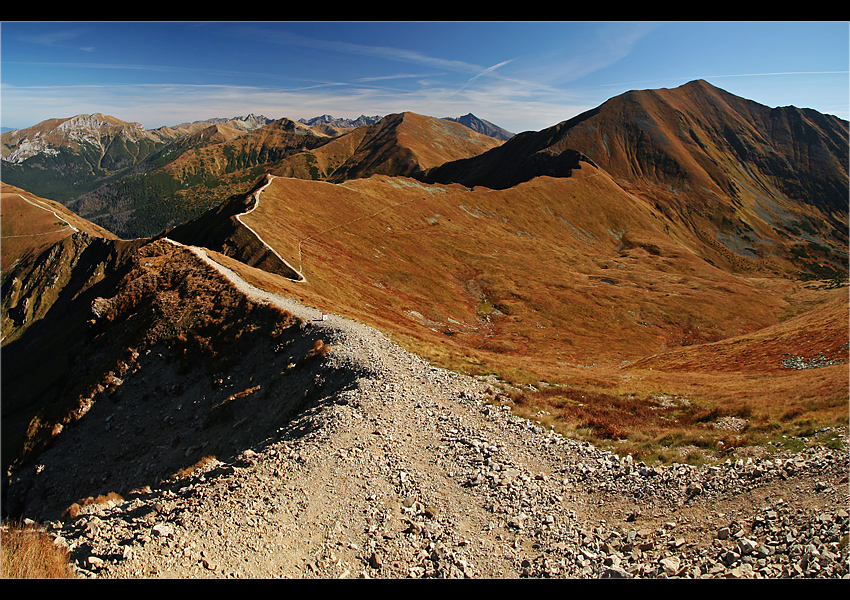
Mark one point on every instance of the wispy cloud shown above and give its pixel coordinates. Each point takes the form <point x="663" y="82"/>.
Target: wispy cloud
<point x="596" y="47"/>
<point x="397" y="76"/>
<point x="486" y="71"/>
<point x="383" y="52"/>
<point x="63" y="38"/>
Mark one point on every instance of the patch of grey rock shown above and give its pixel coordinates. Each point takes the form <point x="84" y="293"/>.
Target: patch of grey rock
<point x="415" y="471"/>
<point x="798" y="362"/>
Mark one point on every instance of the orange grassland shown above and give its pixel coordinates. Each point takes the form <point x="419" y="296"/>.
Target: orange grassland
<point x="568" y="285"/>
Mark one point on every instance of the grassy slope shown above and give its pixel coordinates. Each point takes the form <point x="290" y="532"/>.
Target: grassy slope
<point x="571" y="281"/>
<point x="29" y="224"/>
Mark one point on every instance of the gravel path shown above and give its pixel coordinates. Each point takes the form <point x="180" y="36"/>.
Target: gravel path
<point x="414" y="471"/>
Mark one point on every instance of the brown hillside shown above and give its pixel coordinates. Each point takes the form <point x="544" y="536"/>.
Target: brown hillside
<point x="572" y="281"/>
<point x="743" y="180"/>
<point x="407" y="143"/>
<point x="816" y="338"/>
<point x="321" y="162"/>
<point x="222" y="154"/>
<point x="29" y="224"/>
<point x="573" y="270"/>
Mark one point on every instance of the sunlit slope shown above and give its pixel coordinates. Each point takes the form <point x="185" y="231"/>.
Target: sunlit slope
<point x="759" y="189"/>
<point x="559" y="270"/>
<point x="28" y="224"/>
<point x="816" y="338"/>
<point x="404" y="144"/>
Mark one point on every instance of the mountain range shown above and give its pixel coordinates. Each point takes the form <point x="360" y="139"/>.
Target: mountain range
<point x="678" y="242"/>
<point x="137" y="181"/>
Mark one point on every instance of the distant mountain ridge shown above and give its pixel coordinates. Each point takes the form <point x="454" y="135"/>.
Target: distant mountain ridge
<point x="96" y="131"/>
<point x="329" y="122"/>
<point x="242" y="123"/>
<point x="482" y="126"/>
<point x="341" y="122"/>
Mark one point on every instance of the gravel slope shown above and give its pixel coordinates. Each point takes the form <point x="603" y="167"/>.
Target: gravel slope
<point x="411" y="472"/>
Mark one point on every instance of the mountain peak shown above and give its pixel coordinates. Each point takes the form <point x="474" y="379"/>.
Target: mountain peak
<point x="482" y="126"/>
<point x="340" y="123"/>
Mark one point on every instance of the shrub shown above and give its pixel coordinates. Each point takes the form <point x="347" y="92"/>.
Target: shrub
<point x="320" y="349"/>
<point x="74" y="510"/>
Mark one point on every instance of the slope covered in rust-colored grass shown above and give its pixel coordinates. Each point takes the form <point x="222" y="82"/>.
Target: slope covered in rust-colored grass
<point x="572" y="270"/>
<point x="570" y="281"/>
<point x="761" y="189"/>
<point x="28" y="224"/>
<point x="403" y="144"/>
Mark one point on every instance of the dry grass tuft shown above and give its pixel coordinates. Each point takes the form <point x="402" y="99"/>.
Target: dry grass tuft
<point x="605" y="416"/>
<point x="29" y="553"/>
<point x="654" y="428"/>
<point x="74" y="510"/>
<point x="189" y="470"/>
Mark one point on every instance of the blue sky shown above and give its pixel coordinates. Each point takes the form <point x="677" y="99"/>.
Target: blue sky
<point x="520" y="75"/>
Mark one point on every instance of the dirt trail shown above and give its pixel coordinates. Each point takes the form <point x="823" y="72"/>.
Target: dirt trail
<point x="256" y="195"/>
<point x="58" y="218"/>
<point x="415" y="471"/>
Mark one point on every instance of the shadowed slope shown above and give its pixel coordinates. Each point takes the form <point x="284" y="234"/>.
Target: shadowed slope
<point x="222" y="230"/>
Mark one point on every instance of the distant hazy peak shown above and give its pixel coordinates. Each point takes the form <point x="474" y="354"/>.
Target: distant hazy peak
<point x="482" y="126"/>
<point x="341" y="122"/>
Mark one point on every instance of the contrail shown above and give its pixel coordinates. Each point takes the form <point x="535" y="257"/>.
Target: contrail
<point x="484" y="72"/>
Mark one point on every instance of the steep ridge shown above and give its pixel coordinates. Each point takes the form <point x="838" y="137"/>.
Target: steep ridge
<point x="741" y="178"/>
<point x="482" y="126"/>
<point x="406" y="143"/>
<point x="46" y="304"/>
<point x="160" y="332"/>
<point x="397" y="145"/>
